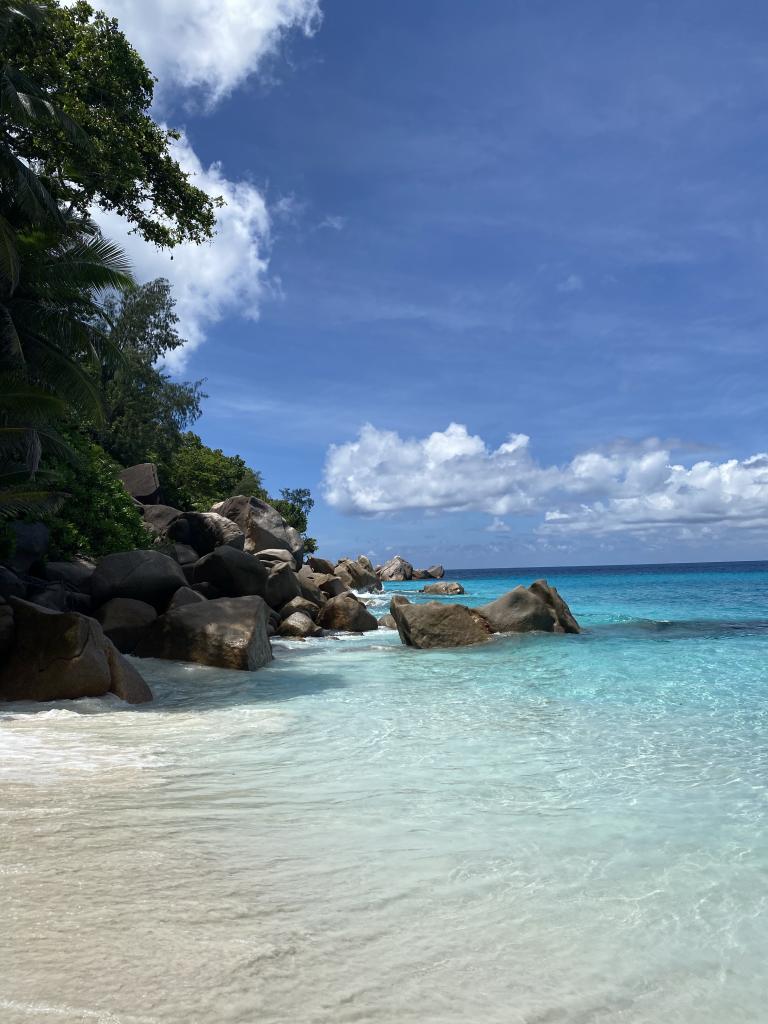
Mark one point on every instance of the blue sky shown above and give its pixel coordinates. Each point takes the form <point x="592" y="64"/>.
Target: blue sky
<point x="524" y="218"/>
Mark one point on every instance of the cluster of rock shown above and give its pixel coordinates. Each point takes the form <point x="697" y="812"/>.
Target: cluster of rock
<point x="538" y="608"/>
<point x="213" y="590"/>
<point x="397" y="570"/>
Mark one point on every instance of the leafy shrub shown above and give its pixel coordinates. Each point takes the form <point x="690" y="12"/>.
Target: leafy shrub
<point x="99" y="516"/>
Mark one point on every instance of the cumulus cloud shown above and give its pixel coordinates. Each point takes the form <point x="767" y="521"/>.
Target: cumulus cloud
<point x="227" y="273"/>
<point x="631" y="487"/>
<point x="207" y="44"/>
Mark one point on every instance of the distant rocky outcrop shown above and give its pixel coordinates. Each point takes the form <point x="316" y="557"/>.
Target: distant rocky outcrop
<point x="539" y="607"/>
<point x="396" y="570"/>
<point x="447" y="588"/>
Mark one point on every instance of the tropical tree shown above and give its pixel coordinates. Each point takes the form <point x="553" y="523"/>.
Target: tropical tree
<point x="83" y="65"/>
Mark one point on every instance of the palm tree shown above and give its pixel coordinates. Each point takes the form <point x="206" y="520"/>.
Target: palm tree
<point x="28" y="416"/>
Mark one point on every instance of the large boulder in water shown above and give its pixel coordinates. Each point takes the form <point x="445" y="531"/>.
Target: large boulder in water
<point x="233" y="573"/>
<point x="123" y="620"/>
<point x="436" y="572"/>
<point x="230" y="632"/>
<point x="346" y="613"/>
<point x="356" y="576"/>
<point x="64" y="656"/>
<point x="205" y="531"/>
<point x="262" y="525"/>
<point x="143" y="575"/>
<point x="439" y="625"/>
<point x="446" y="588"/>
<point x="299" y="604"/>
<point x="396" y="570"/>
<point x="537" y="608"/>
<point x="298" y="626"/>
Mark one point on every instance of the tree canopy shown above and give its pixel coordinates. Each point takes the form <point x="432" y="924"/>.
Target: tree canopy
<point x="79" y="58"/>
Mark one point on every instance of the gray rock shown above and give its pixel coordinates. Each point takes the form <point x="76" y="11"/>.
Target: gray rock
<point x="207" y="590"/>
<point x="183" y="554"/>
<point x="126" y="682"/>
<point x="262" y="525"/>
<point x="77" y="602"/>
<point x="539" y="608"/>
<point x="53" y="597"/>
<point x="142" y="483"/>
<point x="272" y="555"/>
<point x="346" y="613"/>
<point x="299" y="626"/>
<point x="76" y="573"/>
<point x="396" y="570"/>
<point x="282" y="585"/>
<point x="565" y="622"/>
<point x="309" y="590"/>
<point x="421" y="574"/>
<point x="326" y="584"/>
<point x="446" y="588"/>
<point x="205" y="531"/>
<point x="124" y="621"/>
<point x="55" y="656"/>
<point x="186" y="595"/>
<point x="10" y="584"/>
<point x="157" y="518"/>
<point x="439" y="625"/>
<point x="299" y="604"/>
<point x="230" y="632"/>
<point x="387" y="622"/>
<point x="233" y="573"/>
<point x="143" y="575"/>
<point x="6" y="629"/>
<point x="366" y="563"/>
<point x="321" y="565"/>
<point x="436" y="572"/>
<point x="30" y="546"/>
<point x="355" y="576"/>
<point x="396" y="600"/>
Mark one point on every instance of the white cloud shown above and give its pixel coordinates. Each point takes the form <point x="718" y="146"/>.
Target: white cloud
<point x="629" y="487"/>
<point x="209" y="280"/>
<point x="572" y="283"/>
<point x="497" y="526"/>
<point x="209" y="44"/>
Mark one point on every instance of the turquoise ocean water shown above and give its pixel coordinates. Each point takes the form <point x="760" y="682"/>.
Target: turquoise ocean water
<point x="542" y="829"/>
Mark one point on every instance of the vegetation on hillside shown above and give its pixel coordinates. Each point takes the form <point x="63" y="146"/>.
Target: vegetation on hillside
<point x="83" y="391"/>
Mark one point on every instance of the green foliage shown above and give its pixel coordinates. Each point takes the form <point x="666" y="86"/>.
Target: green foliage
<point x="99" y="515"/>
<point x="294" y="506"/>
<point x="199" y="476"/>
<point x="49" y="320"/>
<point x="28" y="418"/>
<point x="80" y="59"/>
<point x="145" y="409"/>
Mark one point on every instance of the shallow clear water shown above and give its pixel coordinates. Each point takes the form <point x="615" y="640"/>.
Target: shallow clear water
<point x="544" y="829"/>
